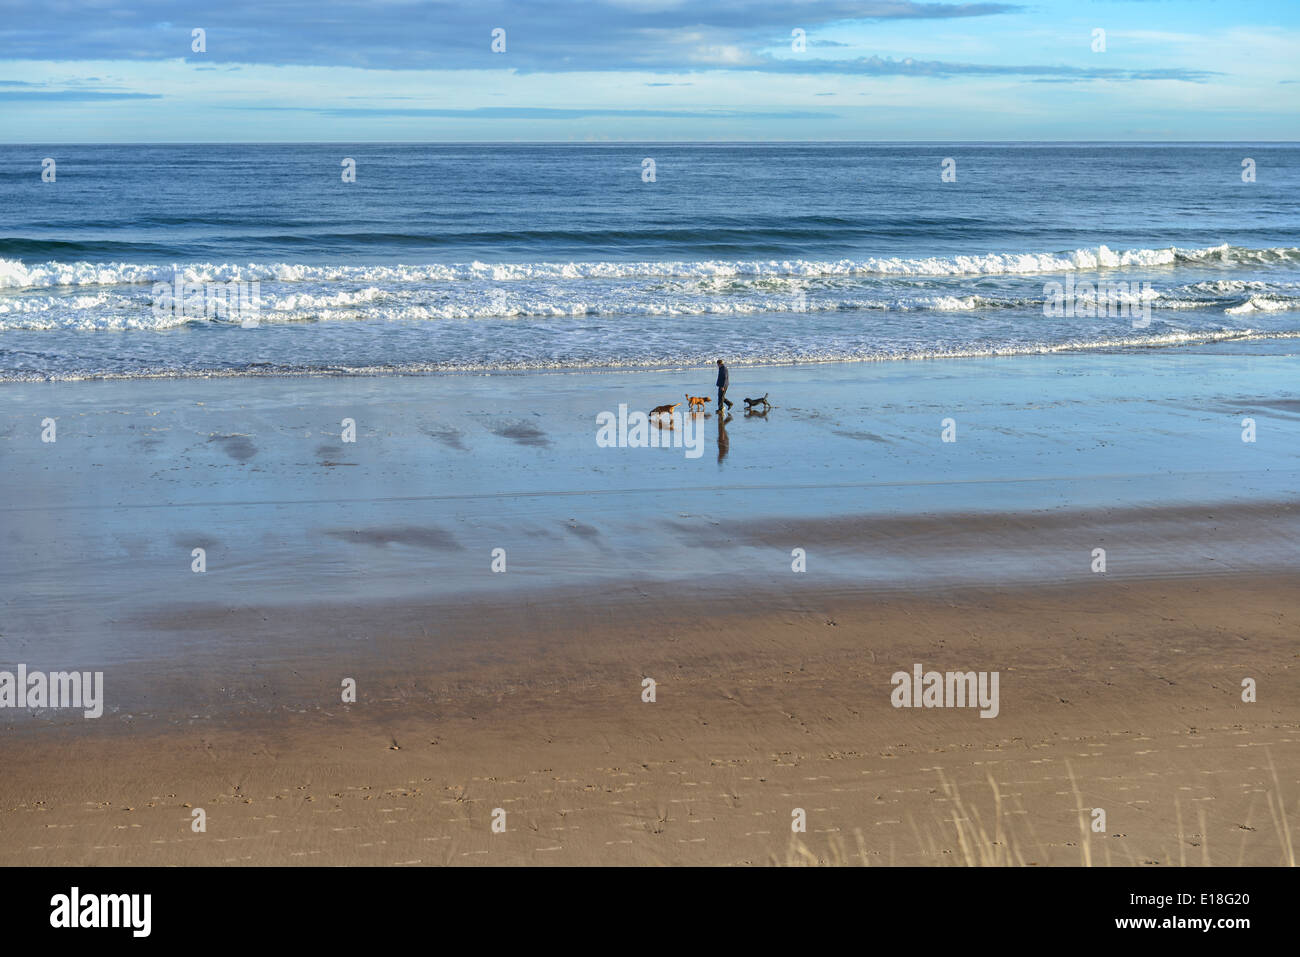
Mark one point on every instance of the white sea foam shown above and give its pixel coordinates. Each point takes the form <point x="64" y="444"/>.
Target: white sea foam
<point x="15" y="275"/>
<point x="1262" y="304"/>
<point x="128" y="308"/>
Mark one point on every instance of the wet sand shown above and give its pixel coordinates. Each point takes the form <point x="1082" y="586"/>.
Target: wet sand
<point x="521" y="690"/>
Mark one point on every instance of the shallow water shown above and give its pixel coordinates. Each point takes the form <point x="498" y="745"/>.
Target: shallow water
<point x="1054" y="456"/>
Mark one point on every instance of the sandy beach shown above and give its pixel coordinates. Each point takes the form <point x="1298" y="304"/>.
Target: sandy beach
<point x="520" y="690"/>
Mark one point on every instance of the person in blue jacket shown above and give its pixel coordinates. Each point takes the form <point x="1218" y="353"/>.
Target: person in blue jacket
<point x="724" y="380"/>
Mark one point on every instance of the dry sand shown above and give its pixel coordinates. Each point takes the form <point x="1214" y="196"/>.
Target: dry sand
<point x="1123" y="696"/>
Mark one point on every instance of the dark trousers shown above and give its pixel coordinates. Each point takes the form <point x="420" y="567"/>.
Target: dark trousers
<point x="722" y="397"/>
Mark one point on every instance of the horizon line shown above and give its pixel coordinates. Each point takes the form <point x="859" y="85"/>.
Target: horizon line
<point x="616" y="142"/>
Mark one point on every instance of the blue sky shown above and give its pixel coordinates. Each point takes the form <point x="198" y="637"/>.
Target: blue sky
<point x="597" y="70"/>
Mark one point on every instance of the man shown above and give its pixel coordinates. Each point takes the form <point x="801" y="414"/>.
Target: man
<point x="724" y="380"/>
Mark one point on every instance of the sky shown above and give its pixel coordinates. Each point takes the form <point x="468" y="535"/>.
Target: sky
<point x="98" y="71"/>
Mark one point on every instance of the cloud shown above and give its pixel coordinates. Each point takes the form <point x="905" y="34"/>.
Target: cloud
<point x="544" y="113"/>
<point x="886" y="66"/>
<point x="542" y="35"/>
<point x="66" y="96"/>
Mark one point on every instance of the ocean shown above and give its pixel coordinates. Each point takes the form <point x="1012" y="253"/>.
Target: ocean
<point x="523" y="257"/>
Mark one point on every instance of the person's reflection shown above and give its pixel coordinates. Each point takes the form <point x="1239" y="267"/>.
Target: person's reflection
<point x="724" y="443"/>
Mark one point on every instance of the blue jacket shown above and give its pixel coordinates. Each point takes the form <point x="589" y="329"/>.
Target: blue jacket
<point x="724" y="379"/>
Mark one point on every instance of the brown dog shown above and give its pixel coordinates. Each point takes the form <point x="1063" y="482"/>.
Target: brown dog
<point x="663" y="409"/>
<point x="697" y="402"/>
